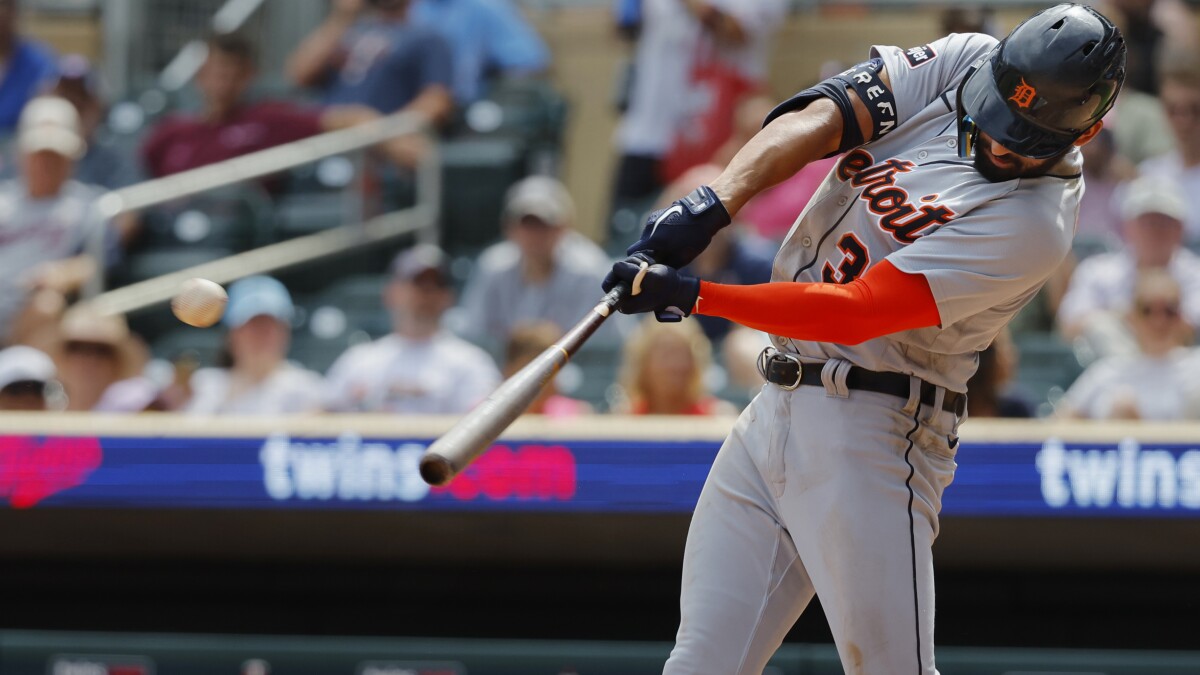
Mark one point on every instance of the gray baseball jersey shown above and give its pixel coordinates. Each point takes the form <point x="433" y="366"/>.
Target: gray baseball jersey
<point x="985" y="248"/>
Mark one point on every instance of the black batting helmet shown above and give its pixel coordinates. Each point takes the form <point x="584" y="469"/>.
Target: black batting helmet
<point x="1045" y="84"/>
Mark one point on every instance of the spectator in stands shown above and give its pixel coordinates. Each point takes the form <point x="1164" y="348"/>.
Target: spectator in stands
<point x="693" y="59"/>
<point x="1180" y="94"/>
<point x="1101" y="289"/>
<point x="45" y="221"/>
<point x="259" y="379"/>
<point x="27" y="379"/>
<point x="1155" y="382"/>
<point x="370" y="53"/>
<point x="527" y="342"/>
<point x="974" y="19"/>
<point x="663" y="370"/>
<point x="990" y="391"/>
<point x="102" y="163"/>
<point x="487" y="37"/>
<point x="29" y="67"/>
<point x="228" y="125"/>
<point x="544" y="270"/>
<point x="101" y="364"/>
<point x="420" y="368"/>
<point x="1150" y="28"/>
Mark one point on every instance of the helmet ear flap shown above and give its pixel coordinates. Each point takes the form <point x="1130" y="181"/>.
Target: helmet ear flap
<point x="968" y="131"/>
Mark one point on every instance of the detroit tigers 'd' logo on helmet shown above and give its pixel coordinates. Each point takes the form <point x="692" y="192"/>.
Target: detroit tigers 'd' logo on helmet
<point x="1023" y="94"/>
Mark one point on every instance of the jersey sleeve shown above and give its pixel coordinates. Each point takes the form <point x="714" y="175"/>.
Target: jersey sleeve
<point x="990" y="256"/>
<point x="921" y="74"/>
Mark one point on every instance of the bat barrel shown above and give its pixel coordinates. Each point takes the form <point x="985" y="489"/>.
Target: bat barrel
<point x="472" y="435"/>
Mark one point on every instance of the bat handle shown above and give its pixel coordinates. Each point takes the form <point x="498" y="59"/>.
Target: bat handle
<point x="621" y="290"/>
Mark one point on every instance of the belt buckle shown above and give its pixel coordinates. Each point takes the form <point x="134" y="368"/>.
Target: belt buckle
<point x="771" y="354"/>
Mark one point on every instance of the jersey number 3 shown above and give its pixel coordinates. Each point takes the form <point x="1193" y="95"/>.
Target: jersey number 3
<point x="854" y="261"/>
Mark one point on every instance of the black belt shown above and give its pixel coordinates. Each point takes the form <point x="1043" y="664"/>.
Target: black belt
<point x="785" y="370"/>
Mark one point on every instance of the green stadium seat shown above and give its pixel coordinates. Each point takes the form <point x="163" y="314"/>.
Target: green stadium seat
<point x="205" y="344"/>
<point x="1047" y="367"/>
<point x="301" y="214"/>
<point x="476" y="174"/>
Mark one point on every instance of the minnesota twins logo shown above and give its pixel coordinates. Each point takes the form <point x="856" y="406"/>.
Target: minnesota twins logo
<point x="1023" y="95"/>
<point x="897" y="215"/>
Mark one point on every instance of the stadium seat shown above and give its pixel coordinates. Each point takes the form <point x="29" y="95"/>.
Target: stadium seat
<point x="300" y="214"/>
<point x="205" y="344"/>
<point x="598" y="366"/>
<point x="476" y="174"/>
<point x="150" y="264"/>
<point x="1047" y="367"/>
<point x="236" y="218"/>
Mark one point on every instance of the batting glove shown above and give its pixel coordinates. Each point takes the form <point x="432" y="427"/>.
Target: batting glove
<point x="674" y="236"/>
<point x="655" y="288"/>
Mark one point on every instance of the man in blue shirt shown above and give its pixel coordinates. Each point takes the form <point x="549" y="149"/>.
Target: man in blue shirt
<point x="28" y="67"/>
<point x="487" y="37"/>
<point x="377" y="58"/>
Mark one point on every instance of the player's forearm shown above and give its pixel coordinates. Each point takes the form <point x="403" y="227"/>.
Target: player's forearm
<point x="883" y="302"/>
<point x="778" y="151"/>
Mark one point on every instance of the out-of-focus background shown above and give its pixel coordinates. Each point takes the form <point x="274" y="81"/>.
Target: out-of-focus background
<point x="407" y="201"/>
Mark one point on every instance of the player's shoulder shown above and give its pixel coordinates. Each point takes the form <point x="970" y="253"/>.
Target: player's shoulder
<point x="955" y="51"/>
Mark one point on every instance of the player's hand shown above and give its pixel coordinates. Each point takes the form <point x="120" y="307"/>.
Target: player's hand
<point x="674" y="236"/>
<point x="655" y="288"/>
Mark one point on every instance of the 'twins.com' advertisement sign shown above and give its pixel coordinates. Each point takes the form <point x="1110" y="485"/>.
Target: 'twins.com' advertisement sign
<point x="603" y="475"/>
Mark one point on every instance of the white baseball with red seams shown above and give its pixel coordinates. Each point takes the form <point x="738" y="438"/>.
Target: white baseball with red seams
<point x="834" y="491"/>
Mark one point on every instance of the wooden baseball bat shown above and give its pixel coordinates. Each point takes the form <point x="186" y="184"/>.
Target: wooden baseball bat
<point x="475" y="432"/>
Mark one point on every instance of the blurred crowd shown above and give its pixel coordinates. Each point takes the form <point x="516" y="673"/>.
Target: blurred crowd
<point x="1111" y="336"/>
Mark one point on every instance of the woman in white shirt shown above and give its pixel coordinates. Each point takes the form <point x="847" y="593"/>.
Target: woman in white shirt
<point x="1157" y="383"/>
<point x="260" y="380"/>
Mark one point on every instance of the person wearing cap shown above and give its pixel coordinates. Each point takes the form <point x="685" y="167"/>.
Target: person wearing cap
<point x="543" y="270"/>
<point x="102" y="162"/>
<point x="100" y="363"/>
<point x="260" y="380"/>
<point x="1179" y="93"/>
<point x="1101" y="289"/>
<point x="29" y="67"/>
<point x="46" y="218"/>
<point x="370" y="52"/>
<point x="420" y="368"/>
<point x="27" y="376"/>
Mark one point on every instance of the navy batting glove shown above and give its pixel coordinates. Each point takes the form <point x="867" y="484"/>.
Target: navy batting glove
<point x="674" y="236"/>
<point x="662" y="289"/>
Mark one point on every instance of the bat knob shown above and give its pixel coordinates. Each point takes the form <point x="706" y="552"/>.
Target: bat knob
<point x="436" y="470"/>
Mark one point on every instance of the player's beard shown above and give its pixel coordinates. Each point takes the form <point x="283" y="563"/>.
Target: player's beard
<point x="1012" y="166"/>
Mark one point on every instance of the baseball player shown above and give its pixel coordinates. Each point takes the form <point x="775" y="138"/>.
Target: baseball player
<point x="956" y="198"/>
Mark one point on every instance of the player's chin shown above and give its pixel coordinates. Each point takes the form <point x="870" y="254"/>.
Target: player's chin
<point x="997" y="170"/>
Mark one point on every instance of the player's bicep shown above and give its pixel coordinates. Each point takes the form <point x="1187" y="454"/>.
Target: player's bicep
<point x="860" y="99"/>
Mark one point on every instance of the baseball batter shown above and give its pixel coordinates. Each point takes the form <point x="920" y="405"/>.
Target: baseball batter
<point x="956" y="197"/>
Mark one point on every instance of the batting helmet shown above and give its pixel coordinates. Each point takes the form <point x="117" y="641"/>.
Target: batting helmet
<point x="1045" y="84"/>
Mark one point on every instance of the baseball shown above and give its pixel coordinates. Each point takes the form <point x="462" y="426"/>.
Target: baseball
<point x="199" y="302"/>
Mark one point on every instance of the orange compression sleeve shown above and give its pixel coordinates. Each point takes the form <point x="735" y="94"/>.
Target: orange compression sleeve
<point x="882" y="301"/>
